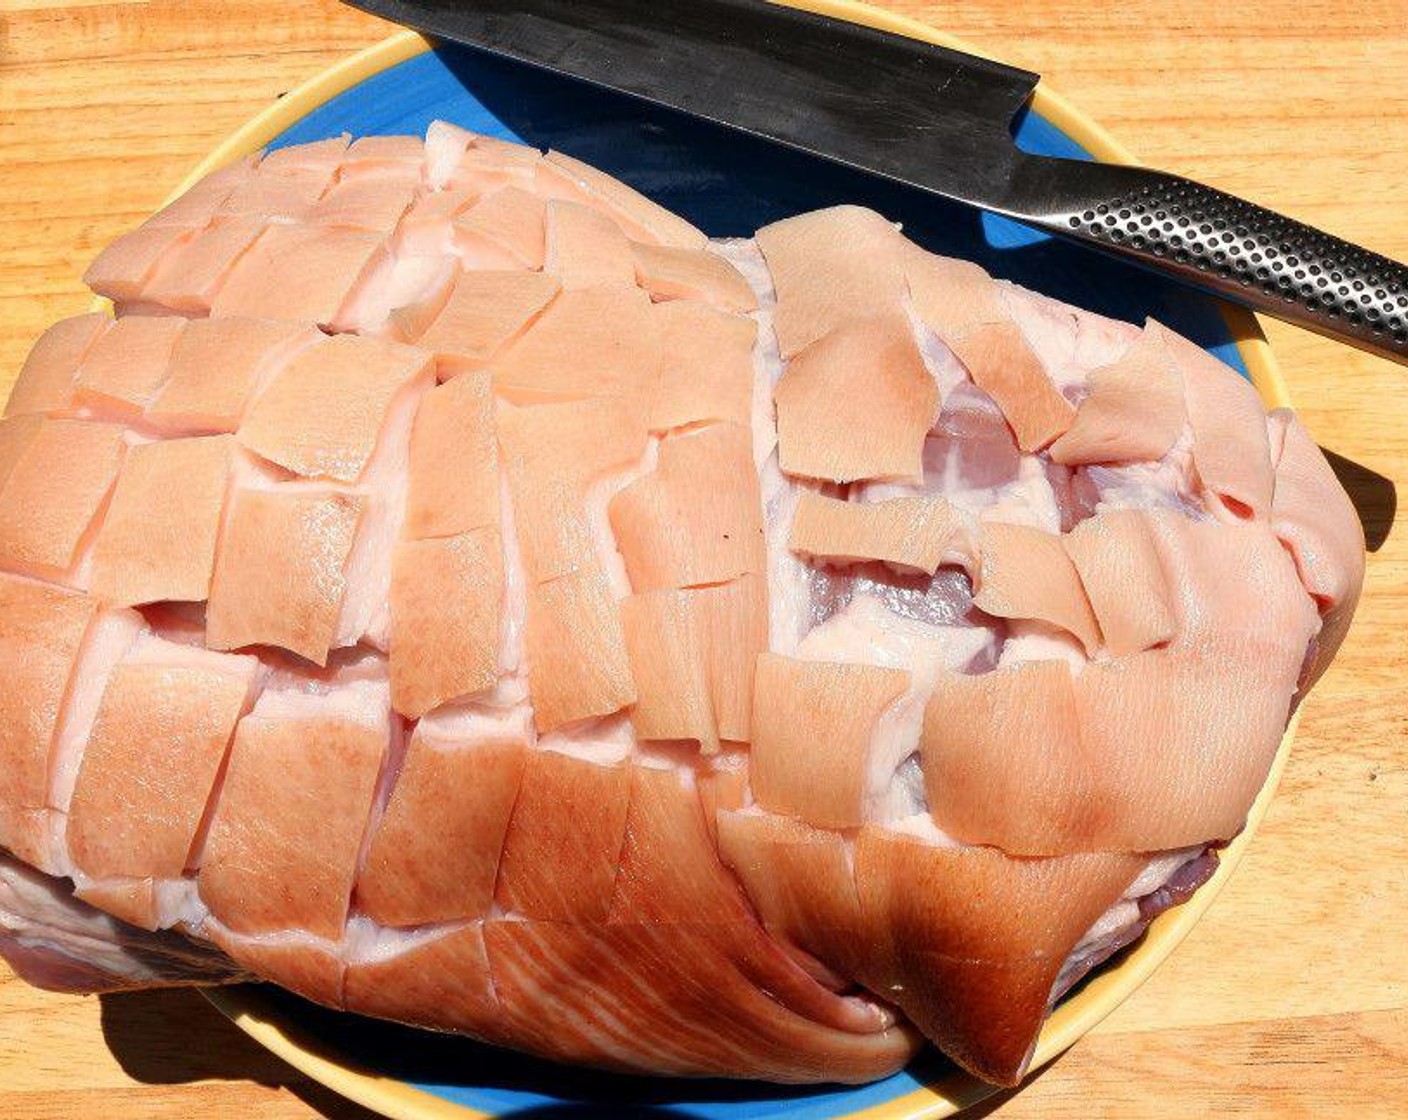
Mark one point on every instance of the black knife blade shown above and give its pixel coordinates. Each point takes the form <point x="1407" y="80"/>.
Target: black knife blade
<point x="938" y="120"/>
<point x="845" y="92"/>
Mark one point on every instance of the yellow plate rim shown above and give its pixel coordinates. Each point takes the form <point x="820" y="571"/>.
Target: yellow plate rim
<point x="252" y="1012"/>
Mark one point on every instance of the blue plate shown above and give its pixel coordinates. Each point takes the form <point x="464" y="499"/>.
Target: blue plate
<point x="728" y="185"/>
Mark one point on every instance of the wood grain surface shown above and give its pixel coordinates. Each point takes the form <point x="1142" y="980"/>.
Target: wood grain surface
<point x="1291" y="997"/>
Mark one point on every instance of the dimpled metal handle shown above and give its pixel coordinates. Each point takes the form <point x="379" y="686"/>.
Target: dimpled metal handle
<point x="1217" y="241"/>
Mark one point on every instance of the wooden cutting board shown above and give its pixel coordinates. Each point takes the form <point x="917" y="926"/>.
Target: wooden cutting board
<point x="1291" y="997"/>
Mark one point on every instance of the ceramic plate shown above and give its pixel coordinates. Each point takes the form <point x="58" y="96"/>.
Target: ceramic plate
<point x="728" y="185"/>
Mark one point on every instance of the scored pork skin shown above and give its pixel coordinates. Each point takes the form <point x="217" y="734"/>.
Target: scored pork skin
<point x="455" y="589"/>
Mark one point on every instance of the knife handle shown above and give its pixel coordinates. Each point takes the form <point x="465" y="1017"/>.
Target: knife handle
<point x="1222" y="243"/>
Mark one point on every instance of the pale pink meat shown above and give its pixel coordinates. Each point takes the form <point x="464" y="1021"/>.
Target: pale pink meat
<point x="454" y="589"/>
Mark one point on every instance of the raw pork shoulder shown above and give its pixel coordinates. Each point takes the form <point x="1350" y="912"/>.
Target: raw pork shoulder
<point x="456" y="590"/>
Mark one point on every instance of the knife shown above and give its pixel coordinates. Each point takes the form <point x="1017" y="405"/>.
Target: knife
<point x="938" y="120"/>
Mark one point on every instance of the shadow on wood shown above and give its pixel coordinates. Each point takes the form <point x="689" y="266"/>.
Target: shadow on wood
<point x="990" y="1105"/>
<point x="1375" y="497"/>
<point x="173" y="1037"/>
